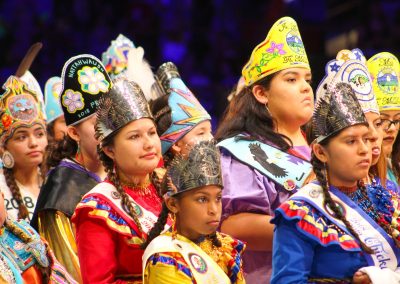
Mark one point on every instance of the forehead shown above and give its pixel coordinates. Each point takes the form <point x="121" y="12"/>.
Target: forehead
<point x="355" y="130"/>
<point x="390" y="114"/>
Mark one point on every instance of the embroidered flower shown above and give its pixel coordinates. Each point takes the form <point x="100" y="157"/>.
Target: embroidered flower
<point x="276" y="48"/>
<point x="6" y="120"/>
<point x="73" y="101"/>
<point x="92" y="80"/>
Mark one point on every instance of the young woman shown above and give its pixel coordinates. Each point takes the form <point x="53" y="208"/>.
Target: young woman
<point x="181" y="119"/>
<point x="75" y="166"/>
<point x="350" y="67"/>
<point x="335" y="230"/>
<point x="23" y="141"/>
<point x="56" y="127"/>
<point x="264" y="154"/>
<point x="385" y="71"/>
<point x="24" y="256"/>
<point x="113" y="219"/>
<point x="192" y="251"/>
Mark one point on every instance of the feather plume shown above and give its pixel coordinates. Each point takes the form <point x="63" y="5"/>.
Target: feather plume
<point x="140" y="72"/>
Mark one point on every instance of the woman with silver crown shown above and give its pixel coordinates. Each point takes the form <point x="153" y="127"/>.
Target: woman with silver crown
<point x="74" y="164"/>
<point x="323" y="234"/>
<point x="181" y="119"/>
<point x="385" y="72"/>
<point x="23" y="141"/>
<point x="350" y="67"/>
<point x="264" y="154"/>
<point x="192" y="251"/>
<point x="114" y="218"/>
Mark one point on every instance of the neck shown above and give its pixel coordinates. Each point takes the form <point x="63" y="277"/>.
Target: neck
<point x="133" y="181"/>
<point x="27" y="176"/>
<point x="92" y="165"/>
<point x="292" y="131"/>
<point x="340" y="184"/>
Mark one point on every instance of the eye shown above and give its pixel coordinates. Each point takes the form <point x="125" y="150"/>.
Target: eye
<point x="378" y="123"/>
<point x="219" y="198"/>
<point x="291" y="80"/>
<point x="309" y="81"/>
<point x="202" y="199"/>
<point x="350" y="142"/>
<point x="40" y="134"/>
<point x="134" y="137"/>
<point x="20" y="137"/>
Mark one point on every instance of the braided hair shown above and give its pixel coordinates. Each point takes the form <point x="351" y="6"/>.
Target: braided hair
<point x="319" y="169"/>
<point x="26" y="238"/>
<point x="16" y="193"/>
<point x="108" y="164"/>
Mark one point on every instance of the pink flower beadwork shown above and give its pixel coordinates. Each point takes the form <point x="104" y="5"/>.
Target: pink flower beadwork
<point x="278" y="48"/>
<point x="73" y="101"/>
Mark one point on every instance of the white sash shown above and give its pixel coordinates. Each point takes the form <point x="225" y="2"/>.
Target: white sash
<point x="204" y="269"/>
<point x="368" y="230"/>
<point x="146" y="218"/>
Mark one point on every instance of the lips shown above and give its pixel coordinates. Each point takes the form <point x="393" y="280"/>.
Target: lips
<point x="213" y="223"/>
<point x="34" y="153"/>
<point x="365" y="162"/>
<point x="151" y="155"/>
<point x="376" y="151"/>
<point x="388" y="139"/>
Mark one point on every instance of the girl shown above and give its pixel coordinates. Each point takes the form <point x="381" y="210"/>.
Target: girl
<point x="350" y="67"/>
<point x="384" y="68"/>
<point x="23" y="139"/>
<point x="336" y="218"/>
<point x="192" y="251"/>
<point x="264" y="154"/>
<point x="114" y="218"/>
<point x="181" y="119"/>
<point x="75" y="166"/>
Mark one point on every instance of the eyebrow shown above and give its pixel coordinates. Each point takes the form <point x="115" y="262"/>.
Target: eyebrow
<point x="295" y="73"/>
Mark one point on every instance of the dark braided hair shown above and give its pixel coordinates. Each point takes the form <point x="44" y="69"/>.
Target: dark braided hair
<point x="318" y="168"/>
<point x="108" y="164"/>
<point x="16" y="193"/>
<point x="26" y="238"/>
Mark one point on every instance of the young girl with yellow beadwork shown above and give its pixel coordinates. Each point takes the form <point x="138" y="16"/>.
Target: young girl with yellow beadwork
<point x="192" y="251"/>
<point x="264" y="153"/>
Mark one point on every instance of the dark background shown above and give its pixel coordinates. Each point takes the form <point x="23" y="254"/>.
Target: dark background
<point x="209" y="41"/>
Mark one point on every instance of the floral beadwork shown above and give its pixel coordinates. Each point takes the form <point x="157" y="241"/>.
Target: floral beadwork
<point x="73" y="101"/>
<point x="92" y="80"/>
<point x="275" y="50"/>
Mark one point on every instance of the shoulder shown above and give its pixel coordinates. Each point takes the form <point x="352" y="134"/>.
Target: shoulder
<point x="301" y="217"/>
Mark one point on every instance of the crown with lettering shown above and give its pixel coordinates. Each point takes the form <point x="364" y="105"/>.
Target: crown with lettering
<point x="84" y="81"/>
<point x="350" y="66"/>
<point x="282" y="48"/>
<point x="385" y="72"/>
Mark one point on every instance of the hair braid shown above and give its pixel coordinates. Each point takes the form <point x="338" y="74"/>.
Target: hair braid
<point x="112" y="176"/>
<point x="158" y="226"/>
<point x="16" y="193"/>
<point x="321" y="177"/>
<point x="215" y="240"/>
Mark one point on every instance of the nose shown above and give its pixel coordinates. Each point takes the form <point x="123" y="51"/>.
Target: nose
<point x="306" y="87"/>
<point x="213" y="208"/>
<point x="373" y="134"/>
<point x="33" y="141"/>
<point x="148" y="142"/>
<point x="364" y="147"/>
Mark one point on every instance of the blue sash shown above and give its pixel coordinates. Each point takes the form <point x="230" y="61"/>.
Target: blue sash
<point x="386" y="254"/>
<point x="283" y="168"/>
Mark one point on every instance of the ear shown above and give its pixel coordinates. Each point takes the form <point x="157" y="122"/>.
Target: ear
<point x="260" y="93"/>
<point x="172" y="204"/>
<point x="73" y="133"/>
<point x="320" y="152"/>
<point x="176" y="148"/>
<point x="109" y="151"/>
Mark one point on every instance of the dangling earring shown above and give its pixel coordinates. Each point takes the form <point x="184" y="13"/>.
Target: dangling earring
<point x="173" y="225"/>
<point x="8" y="160"/>
<point x="266" y="107"/>
<point x="78" y="155"/>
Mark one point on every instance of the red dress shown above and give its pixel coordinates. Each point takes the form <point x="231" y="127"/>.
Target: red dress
<point x="108" y="239"/>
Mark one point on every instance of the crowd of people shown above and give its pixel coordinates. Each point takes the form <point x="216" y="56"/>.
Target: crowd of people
<point x="113" y="174"/>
